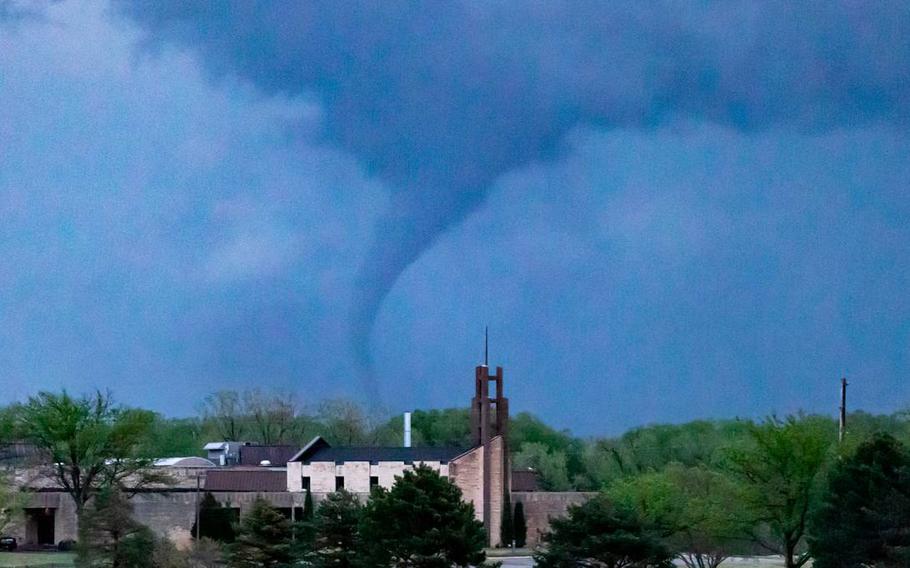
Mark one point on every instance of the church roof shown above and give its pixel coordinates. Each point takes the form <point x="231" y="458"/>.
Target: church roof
<point x="320" y="451"/>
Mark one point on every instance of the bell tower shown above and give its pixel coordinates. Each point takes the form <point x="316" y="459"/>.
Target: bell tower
<point x="489" y="430"/>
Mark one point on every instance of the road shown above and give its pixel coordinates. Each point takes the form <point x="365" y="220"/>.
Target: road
<point x="516" y="561"/>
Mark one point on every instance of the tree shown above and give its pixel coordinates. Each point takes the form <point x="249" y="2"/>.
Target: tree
<point x="698" y="511"/>
<point x="263" y="540"/>
<point x="506" y="526"/>
<point x="216" y="521"/>
<point x="422" y="522"/>
<point x="521" y="525"/>
<point x="599" y="533"/>
<point x="550" y="465"/>
<point x="91" y="443"/>
<point x="308" y="510"/>
<point x="11" y="501"/>
<point x="224" y="410"/>
<point x="445" y="427"/>
<point x="273" y="415"/>
<point x="865" y="511"/>
<point x="175" y="437"/>
<point x="779" y="468"/>
<point x="335" y="527"/>
<point x="344" y="422"/>
<point x="110" y="537"/>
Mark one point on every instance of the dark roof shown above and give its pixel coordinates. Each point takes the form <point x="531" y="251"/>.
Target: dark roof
<point x="524" y="480"/>
<point x="276" y="455"/>
<point x="19" y="451"/>
<point x="381" y="454"/>
<point x="319" y="450"/>
<point x="246" y="480"/>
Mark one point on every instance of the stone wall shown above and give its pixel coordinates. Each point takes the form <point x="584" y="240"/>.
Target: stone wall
<point x="498" y="482"/>
<point x="169" y="514"/>
<point x="356" y="474"/>
<point x="466" y="472"/>
<point x="541" y="506"/>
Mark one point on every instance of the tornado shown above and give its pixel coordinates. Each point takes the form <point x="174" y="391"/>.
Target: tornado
<point x="440" y="99"/>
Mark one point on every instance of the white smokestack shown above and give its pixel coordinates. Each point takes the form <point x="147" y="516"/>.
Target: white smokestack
<point x="407" y="429"/>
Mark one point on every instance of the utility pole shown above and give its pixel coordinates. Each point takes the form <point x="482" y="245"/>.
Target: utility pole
<point x="197" y="506"/>
<point x="843" y="410"/>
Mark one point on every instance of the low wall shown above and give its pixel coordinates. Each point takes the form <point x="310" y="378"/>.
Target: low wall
<point x="541" y="506"/>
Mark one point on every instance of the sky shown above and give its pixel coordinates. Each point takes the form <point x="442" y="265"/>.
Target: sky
<point x="662" y="211"/>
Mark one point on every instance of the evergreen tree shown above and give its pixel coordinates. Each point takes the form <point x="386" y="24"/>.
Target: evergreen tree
<point x="263" y="540"/>
<point x="216" y="521"/>
<point x="520" y="525"/>
<point x="335" y="528"/>
<point x="308" y="506"/>
<point x="422" y="522"/>
<point x="597" y="533"/>
<point x="110" y="537"/>
<point x="865" y="511"/>
<point x="506" y="527"/>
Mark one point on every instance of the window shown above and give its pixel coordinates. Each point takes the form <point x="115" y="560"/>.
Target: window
<point x="305" y="482"/>
<point x="339" y="482"/>
<point x="374" y="481"/>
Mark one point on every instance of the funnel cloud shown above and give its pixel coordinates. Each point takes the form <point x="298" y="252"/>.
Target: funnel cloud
<point x="439" y="100"/>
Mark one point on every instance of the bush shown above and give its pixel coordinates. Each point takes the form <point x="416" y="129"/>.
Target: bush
<point x="264" y="539"/>
<point x="597" y="533"/>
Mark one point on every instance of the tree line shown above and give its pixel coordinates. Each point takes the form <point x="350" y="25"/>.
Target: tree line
<point x="786" y="487"/>
<point x="562" y="461"/>
<point x="699" y="492"/>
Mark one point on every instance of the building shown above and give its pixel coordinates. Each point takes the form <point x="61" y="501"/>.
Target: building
<point x="236" y="474"/>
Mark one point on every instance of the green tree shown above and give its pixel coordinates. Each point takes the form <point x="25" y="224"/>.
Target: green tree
<point x="864" y="515"/>
<point x="599" y="533"/>
<point x="91" y="442"/>
<point x="171" y="437"/>
<point x="520" y="525"/>
<point x="109" y="536"/>
<point x="779" y="469"/>
<point x="344" y="422"/>
<point x="445" y="427"/>
<point x="216" y="521"/>
<point x="421" y="522"/>
<point x="699" y="511"/>
<point x="336" y="532"/>
<point x="11" y="501"/>
<point x="526" y="429"/>
<point x="263" y="539"/>
<point x="551" y="465"/>
<point x="308" y="509"/>
<point x="506" y="526"/>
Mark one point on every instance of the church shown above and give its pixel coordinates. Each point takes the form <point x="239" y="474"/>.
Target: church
<point x="237" y="474"/>
<point x="482" y="472"/>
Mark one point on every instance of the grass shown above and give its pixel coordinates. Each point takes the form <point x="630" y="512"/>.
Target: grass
<point x="44" y="559"/>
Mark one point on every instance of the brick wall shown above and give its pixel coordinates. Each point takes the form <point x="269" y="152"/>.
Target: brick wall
<point x="466" y="471"/>
<point x="542" y="506"/>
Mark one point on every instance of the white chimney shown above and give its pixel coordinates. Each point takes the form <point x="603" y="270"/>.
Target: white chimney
<point x="407" y="429"/>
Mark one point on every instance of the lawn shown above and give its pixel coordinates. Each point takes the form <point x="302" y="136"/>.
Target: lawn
<point x="45" y="559"/>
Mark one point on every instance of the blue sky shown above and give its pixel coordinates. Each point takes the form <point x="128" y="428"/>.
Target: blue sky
<point x="182" y="210"/>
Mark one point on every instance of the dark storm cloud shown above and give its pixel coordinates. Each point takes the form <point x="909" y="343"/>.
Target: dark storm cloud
<point x="440" y="99"/>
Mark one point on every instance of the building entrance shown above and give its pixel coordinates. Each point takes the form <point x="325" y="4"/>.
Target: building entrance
<point x="39" y="529"/>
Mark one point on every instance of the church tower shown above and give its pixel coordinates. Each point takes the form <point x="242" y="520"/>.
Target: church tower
<point x="489" y="429"/>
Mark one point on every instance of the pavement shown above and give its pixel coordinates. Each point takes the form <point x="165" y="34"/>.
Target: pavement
<point x="516" y="561"/>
